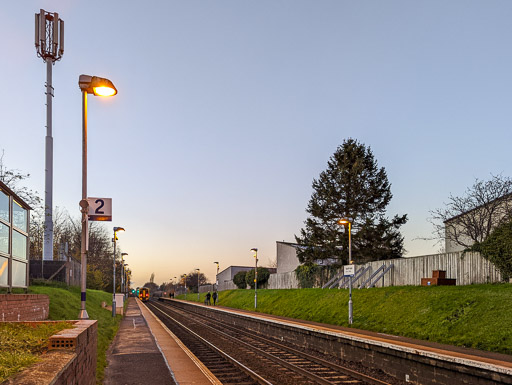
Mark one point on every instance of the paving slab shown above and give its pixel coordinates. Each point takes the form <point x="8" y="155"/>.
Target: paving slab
<point x="185" y="366"/>
<point x="134" y="357"/>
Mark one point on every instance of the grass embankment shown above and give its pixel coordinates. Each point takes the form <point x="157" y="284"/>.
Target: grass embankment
<point x="476" y="316"/>
<point x="22" y="344"/>
<point x="65" y="305"/>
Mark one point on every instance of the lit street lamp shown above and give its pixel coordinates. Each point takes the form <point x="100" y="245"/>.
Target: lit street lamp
<point x="342" y="222"/>
<point x="98" y="87"/>
<point x="197" y="284"/>
<point x="255" y="250"/>
<point x="116" y="230"/>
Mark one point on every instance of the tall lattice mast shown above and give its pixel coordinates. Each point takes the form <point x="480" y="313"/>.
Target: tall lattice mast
<point x="49" y="40"/>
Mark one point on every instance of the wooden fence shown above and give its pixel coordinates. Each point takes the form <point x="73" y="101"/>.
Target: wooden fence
<point x="469" y="268"/>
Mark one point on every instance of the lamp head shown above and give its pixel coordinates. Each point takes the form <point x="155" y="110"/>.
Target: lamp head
<point x="117" y="229"/>
<point x="254" y="249"/>
<point x="344" y="221"/>
<point x="96" y="85"/>
<point x="123" y="254"/>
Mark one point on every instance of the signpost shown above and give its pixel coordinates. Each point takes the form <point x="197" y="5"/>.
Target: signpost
<point x="100" y="209"/>
<point x="349" y="271"/>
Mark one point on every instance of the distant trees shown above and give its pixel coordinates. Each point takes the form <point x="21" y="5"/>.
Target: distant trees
<point x="66" y="230"/>
<point x="192" y="280"/>
<point x="471" y="217"/>
<point x="352" y="186"/>
<point x="151" y="285"/>
<point x="239" y="279"/>
<point x="263" y="276"/>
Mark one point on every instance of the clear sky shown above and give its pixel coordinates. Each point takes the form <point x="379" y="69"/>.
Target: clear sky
<point x="227" y="110"/>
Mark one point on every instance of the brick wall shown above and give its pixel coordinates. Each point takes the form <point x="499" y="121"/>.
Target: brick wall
<point x="24" y="307"/>
<point x="83" y="339"/>
<point x="71" y="358"/>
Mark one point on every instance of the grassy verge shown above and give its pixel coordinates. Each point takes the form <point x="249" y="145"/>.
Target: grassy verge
<point x="22" y="344"/>
<point x="476" y="316"/>
<point x="65" y="305"/>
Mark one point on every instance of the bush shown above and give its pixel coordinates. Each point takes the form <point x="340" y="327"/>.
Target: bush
<point x="497" y="248"/>
<point x="306" y="275"/>
<point x="263" y="275"/>
<point x="239" y="279"/>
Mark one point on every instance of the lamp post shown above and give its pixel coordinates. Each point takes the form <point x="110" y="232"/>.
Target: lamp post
<point x="255" y="250"/>
<point x="122" y="273"/>
<point x="127" y="281"/>
<point x="125" y="291"/>
<point x="116" y="230"/>
<point x="197" y="285"/>
<point x="342" y="222"/>
<point x="185" y="279"/>
<point x="217" y="276"/>
<point x="98" y="87"/>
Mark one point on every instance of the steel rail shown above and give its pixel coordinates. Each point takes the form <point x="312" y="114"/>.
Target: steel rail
<point x="256" y="377"/>
<point x="318" y="360"/>
<point x="273" y="357"/>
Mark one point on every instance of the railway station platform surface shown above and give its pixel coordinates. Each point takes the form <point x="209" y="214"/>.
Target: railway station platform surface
<point x="144" y="351"/>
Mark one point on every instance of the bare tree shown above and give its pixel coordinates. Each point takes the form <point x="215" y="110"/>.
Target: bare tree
<point x="470" y="218"/>
<point x="12" y="177"/>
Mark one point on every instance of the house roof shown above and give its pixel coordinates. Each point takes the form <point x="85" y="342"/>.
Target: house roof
<point x="22" y="203"/>
<point x="509" y="195"/>
<point x="289" y="243"/>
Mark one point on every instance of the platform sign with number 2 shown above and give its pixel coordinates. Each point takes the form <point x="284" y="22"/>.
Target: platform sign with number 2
<point x="100" y="209"/>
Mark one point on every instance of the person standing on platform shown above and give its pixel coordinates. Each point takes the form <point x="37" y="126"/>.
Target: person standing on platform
<point x="214" y="296"/>
<point x="208" y="296"/>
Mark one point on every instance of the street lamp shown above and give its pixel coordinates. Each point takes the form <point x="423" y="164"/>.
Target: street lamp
<point x="217" y="275"/>
<point x="96" y="86"/>
<point x="123" y="288"/>
<point x="128" y="273"/>
<point x="197" y="285"/>
<point x="173" y="287"/>
<point x="255" y="251"/>
<point x="116" y="230"/>
<point x="185" y="279"/>
<point x="343" y="222"/>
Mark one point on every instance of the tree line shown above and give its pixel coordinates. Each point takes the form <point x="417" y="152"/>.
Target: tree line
<point x="67" y="230"/>
<point x="353" y="187"/>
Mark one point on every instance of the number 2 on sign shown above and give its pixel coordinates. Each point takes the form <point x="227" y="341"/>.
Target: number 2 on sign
<point x="102" y="203"/>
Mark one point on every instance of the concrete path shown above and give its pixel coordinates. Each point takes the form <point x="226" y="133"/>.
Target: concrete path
<point x="134" y="357"/>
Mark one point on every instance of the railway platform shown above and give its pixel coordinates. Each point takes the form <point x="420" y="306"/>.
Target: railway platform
<point x="146" y="352"/>
<point x="405" y="359"/>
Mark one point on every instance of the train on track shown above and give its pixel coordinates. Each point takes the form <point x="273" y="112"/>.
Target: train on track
<point x="144" y="294"/>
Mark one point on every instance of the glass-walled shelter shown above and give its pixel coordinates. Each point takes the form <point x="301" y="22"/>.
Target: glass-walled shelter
<point x="14" y="241"/>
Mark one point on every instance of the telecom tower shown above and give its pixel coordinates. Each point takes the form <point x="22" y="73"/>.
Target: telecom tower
<point x="49" y="40"/>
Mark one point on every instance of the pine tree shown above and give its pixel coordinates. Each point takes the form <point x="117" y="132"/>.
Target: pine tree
<point x="352" y="187"/>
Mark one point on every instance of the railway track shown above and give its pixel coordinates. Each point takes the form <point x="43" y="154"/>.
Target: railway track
<point x="262" y="360"/>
